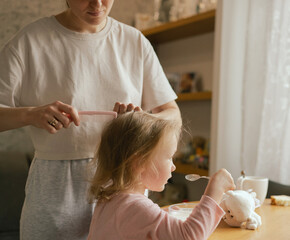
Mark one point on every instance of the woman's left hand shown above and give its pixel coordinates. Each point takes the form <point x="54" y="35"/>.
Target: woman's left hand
<point x="121" y="108"/>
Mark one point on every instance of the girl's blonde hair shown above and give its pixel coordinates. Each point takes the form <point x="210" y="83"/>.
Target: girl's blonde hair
<point x="125" y="147"/>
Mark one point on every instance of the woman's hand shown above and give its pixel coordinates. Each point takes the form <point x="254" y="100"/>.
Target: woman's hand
<point x="219" y="183"/>
<point x="53" y="117"/>
<point x="121" y="108"/>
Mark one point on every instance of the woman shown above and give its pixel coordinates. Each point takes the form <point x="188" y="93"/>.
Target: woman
<point x="80" y="59"/>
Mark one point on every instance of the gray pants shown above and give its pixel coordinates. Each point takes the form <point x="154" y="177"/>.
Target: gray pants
<point x="55" y="206"/>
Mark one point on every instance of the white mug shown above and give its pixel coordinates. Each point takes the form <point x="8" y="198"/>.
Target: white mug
<point x="259" y="185"/>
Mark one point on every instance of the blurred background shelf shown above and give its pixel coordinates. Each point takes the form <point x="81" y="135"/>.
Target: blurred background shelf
<point x="186" y="168"/>
<point x="187" y="27"/>
<point x="195" y="96"/>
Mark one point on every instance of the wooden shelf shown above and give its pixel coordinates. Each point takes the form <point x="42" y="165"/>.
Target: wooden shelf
<point x="191" y="26"/>
<point x="184" y="168"/>
<point x="196" y="96"/>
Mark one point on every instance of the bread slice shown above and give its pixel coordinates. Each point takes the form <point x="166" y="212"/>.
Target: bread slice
<point x="281" y="200"/>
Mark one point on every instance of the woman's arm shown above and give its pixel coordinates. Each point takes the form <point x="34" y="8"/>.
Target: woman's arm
<point x="12" y="118"/>
<point x="168" y="111"/>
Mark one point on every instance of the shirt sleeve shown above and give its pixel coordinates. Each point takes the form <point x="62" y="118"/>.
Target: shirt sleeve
<point x="145" y="220"/>
<point x="156" y="90"/>
<point x="11" y="71"/>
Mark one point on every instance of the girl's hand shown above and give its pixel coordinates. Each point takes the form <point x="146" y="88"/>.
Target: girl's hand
<point x="219" y="183"/>
<point x="121" y="108"/>
<point x="53" y="117"/>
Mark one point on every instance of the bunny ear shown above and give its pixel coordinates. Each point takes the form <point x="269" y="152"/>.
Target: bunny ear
<point x="226" y="195"/>
<point x="230" y="192"/>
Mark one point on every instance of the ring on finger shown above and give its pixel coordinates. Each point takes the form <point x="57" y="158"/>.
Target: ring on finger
<point x="53" y="122"/>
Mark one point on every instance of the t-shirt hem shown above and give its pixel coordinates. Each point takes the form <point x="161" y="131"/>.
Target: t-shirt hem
<point x="64" y="156"/>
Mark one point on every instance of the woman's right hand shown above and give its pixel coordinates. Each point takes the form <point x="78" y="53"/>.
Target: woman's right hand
<point x="52" y="117"/>
<point x="219" y="183"/>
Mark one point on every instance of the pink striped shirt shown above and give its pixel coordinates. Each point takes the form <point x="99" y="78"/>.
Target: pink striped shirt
<point x="134" y="216"/>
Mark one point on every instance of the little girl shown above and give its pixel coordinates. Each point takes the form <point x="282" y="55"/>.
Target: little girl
<point x="135" y="154"/>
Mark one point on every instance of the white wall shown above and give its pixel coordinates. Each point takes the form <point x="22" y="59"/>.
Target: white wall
<point x="15" y="14"/>
<point x="125" y="10"/>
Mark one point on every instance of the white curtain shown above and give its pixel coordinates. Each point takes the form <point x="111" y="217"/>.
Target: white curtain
<point x="251" y="90"/>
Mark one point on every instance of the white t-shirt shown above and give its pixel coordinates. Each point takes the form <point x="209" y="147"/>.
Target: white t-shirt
<point x="46" y="62"/>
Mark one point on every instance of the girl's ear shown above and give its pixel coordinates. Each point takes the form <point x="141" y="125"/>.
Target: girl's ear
<point x="140" y="171"/>
<point x="137" y="167"/>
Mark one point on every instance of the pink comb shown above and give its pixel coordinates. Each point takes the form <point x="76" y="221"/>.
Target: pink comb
<point x="112" y="113"/>
<point x="95" y="116"/>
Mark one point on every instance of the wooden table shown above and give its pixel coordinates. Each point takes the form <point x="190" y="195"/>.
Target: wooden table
<point x="275" y="226"/>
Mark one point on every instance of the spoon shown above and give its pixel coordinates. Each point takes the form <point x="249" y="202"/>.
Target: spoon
<point x="194" y="177"/>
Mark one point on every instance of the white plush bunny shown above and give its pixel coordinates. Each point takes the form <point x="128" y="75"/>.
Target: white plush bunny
<point x="240" y="207"/>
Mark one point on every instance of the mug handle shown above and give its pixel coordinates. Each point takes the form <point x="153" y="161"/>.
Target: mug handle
<point x="240" y="183"/>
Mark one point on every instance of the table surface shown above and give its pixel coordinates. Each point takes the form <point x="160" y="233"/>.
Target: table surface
<point x="275" y="225"/>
